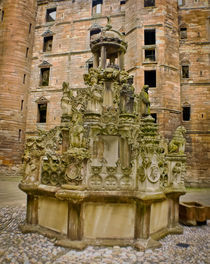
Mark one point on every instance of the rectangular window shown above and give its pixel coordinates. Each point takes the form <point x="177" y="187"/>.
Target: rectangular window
<point x="19" y="135"/>
<point x="97" y="6"/>
<point x="149" y="37"/>
<point x="150" y="55"/>
<point x="181" y="2"/>
<point x="51" y="14"/>
<point x="42" y="113"/>
<point x="185" y="71"/>
<point x="21" y="106"/>
<point x="27" y="50"/>
<point x="29" y="30"/>
<point x="150" y="78"/>
<point x="183" y="33"/>
<point x="48" y="43"/>
<point x="24" y="78"/>
<point x="148" y="3"/>
<point x="186" y="113"/>
<point x="45" y="75"/>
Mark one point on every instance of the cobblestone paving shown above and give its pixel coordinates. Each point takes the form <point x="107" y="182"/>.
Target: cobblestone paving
<point x="16" y="247"/>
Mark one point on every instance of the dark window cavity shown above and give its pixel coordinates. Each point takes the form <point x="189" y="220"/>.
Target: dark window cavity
<point x="149" y="37"/>
<point x="27" y="50"/>
<point x="24" y="78"/>
<point x="185" y="71"/>
<point x="45" y="75"/>
<point x="51" y="15"/>
<point x="154" y="115"/>
<point x="29" y="30"/>
<point x="150" y="78"/>
<point x="47" y="43"/>
<point x="19" y="135"/>
<point x="21" y="106"/>
<point x="148" y="3"/>
<point x="122" y="2"/>
<point x="42" y="113"/>
<point x="183" y="33"/>
<point x="186" y="113"/>
<point x="90" y="65"/>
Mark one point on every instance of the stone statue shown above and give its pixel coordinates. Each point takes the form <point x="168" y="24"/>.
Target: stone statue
<point x="77" y="132"/>
<point x="144" y="103"/>
<point x="177" y="144"/>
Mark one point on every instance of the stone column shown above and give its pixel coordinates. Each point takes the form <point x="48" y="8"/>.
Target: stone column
<point x="32" y="210"/>
<point x="103" y="57"/>
<point x="74" y="222"/>
<point x="121" y="60"/>
<point x="95" y="60"/>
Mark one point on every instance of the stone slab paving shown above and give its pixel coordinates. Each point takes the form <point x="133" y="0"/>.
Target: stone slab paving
<point x="16" y="247"/>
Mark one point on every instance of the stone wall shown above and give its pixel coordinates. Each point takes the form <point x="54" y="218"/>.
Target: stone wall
<point x="16" y="41"/>
<point x="194" y="52"/>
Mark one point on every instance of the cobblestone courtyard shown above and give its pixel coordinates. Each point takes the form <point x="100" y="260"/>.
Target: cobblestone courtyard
<point x="16" y="247"/>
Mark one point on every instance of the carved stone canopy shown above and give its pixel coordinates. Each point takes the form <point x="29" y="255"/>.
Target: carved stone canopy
<point x="45" y="64"/>
<point x="47" y="33"/>
<point x="42" y="100"/>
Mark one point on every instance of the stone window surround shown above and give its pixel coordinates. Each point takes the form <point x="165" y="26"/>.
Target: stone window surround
<point x="41" y="101"/>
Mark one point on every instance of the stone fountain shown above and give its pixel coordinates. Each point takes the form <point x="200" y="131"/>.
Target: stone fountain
<point x="104" y="176"/>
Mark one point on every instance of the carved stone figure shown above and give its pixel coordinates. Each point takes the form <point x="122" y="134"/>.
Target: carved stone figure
<point x="177" y="144"/>
<point x="77" y="133"/>
<point x="144" y="103"/>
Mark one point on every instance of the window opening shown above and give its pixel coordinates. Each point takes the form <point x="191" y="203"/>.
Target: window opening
<point x="45" y="75"/>
<point x="19" y="135"/>
<point x="42" y="113"/>
<point x="150" y="78"/>
<point x="183" y="33"/>
<point x="185" y="71"/>
<point x="97" y="6"/>
<point x="154" y="115"/>
<point x="186" y="113"/>
<point x="24" y="78"/>
<point x="90" y="65"/>
<point x="27" y="50"/>
<point x="21" y="106"/>
<point x="149" y="37"/>
<point x="51" y="15"/>
<point x="149" y="3"/>
<point x="150" y="54"/>
<point x="2" y="15"/>
<point x="122" y="2"/>
<point x="30" y="25"/>
<point x="48" y="43"/>
<point x="181" y="2"/>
